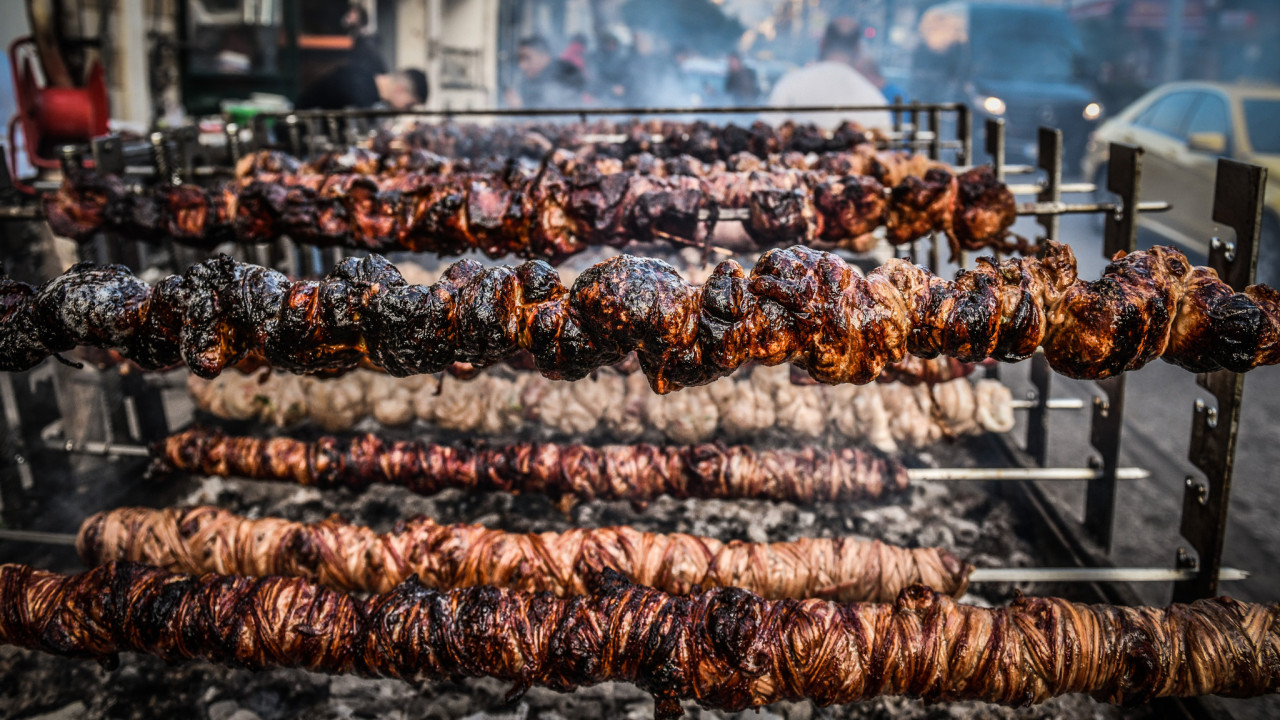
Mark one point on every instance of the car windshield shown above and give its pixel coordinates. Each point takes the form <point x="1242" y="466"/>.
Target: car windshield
<point x="1040" y="60"/>
<point x="1262" y="119"/>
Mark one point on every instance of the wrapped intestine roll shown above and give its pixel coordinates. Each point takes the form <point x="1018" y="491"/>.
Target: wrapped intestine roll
<point x="684" y="418"/>
<point x="620" y="407"/>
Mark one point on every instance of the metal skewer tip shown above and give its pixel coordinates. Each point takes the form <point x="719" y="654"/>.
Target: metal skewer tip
<point x="107" y="449"/>
<point x="1008" y="474"/>
<point x="1070" y="574"/>
<point x="1053" y="404"/>
<point x="35" y="536"/>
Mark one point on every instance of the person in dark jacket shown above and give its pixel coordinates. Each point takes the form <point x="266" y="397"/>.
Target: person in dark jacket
<point x="545" y="82"/>
<point x="741" y="84"/>
<point x="611" y="66"/>
<point x="364" y="45"/>
<point x="357" y="85"/>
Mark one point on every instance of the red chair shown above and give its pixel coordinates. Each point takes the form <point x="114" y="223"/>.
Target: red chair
<point x="52" y="116"/>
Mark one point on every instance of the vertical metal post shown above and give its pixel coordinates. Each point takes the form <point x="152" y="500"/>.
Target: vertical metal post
<point x="353" y="131"/>
<point x="1105" y="424"/>
<point x="314" y="137"/>
<point x="964" y="133"/>
<point x="333" y="129"/>
<point x="1124" y="178"/>
<point x="108" y="154"/>
<point x="261" y="132"/>
<point x="1215" y="427"/>
<point x="188" y="142"/>
<point x="914" y="115"/>
<point x="294" y="135"/>
<point x="935" y="133"/>
<point x="145" y="406"/>
<point x="28" y="403"/>
<point x="1124" y="175"/>
<point x="1050" y="160"/>
<point x="233" y="142"/>
<point x="165" y="170"/>
<point x="70" y="158"/>
<point x="995" y="142"/>
<point x="1038" y="414"/>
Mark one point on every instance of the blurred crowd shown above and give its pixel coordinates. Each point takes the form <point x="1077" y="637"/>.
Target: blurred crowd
<point x="624" y="69"/>
<point x="634" y="68"/>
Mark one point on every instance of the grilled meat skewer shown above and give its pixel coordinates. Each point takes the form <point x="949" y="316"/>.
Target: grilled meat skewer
<point x="886" y="168"/>
<point x="723" y="648"/>
<point x="351" y="557"/>
<point x="799" y="305"/>
<point x="539" y="214"/>
<point x="664" y="138"/>
<point x="640" y="472"/>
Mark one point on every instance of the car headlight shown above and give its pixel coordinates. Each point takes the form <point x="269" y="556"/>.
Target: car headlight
<point x="1092" y="111"/>
<point x="993" y="105"/>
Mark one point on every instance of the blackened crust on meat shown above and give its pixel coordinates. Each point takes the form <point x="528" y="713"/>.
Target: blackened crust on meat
<point x="723" y="648"/>
<point x="552" y="213"/>
<point x="798" y="305"/>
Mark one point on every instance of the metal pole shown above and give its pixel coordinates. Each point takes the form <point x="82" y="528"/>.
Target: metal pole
<point x="1237" y="204"/>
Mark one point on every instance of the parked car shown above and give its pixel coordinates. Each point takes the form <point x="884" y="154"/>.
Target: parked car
<point x="1024" y="64"/>
<point x="1184" y="128"/>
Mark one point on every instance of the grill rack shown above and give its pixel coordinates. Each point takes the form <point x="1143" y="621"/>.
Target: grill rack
<point x="135" y="410"/>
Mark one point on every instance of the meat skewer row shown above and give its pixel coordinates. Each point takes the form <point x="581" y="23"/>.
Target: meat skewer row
<point x="799" y="305"/>
<point x="615" y="408"/>
<point x="974" y="210"/>
<point x="887" y="168"/>
<point x="701" y="140"/>
<point x="724" y="648"/>
<point x="351" y="557"/>
<point x="639" y="473"/>
<point x="910" y="371"/>
<point x="540" y="214"/>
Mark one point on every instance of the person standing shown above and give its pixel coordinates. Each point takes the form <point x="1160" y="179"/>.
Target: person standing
<point x="741" y="84"/>
<point x="356" y="85"/>
<point x="655" y="75"/>
<point x="545" y="82"/>
<point x="832" y="80"/>
<point x="364" y="45"/>
<point x="611" y="64"/>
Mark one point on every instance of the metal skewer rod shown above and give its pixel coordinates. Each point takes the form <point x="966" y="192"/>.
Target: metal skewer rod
<point x="105" y="449"/>
<point x="1069" y="574"/>
<point x="1053" y="404"/>
<point x="1030" y="208"/>
<point x="1062" y="208"/>
<point x="21" y="212"/>
<point x="1036" y="473"/>
<point x="980" y="575"/>
<point x="1034" y="189"/>
<point x="936" y="474"/>
<point x="35" y="536"/>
